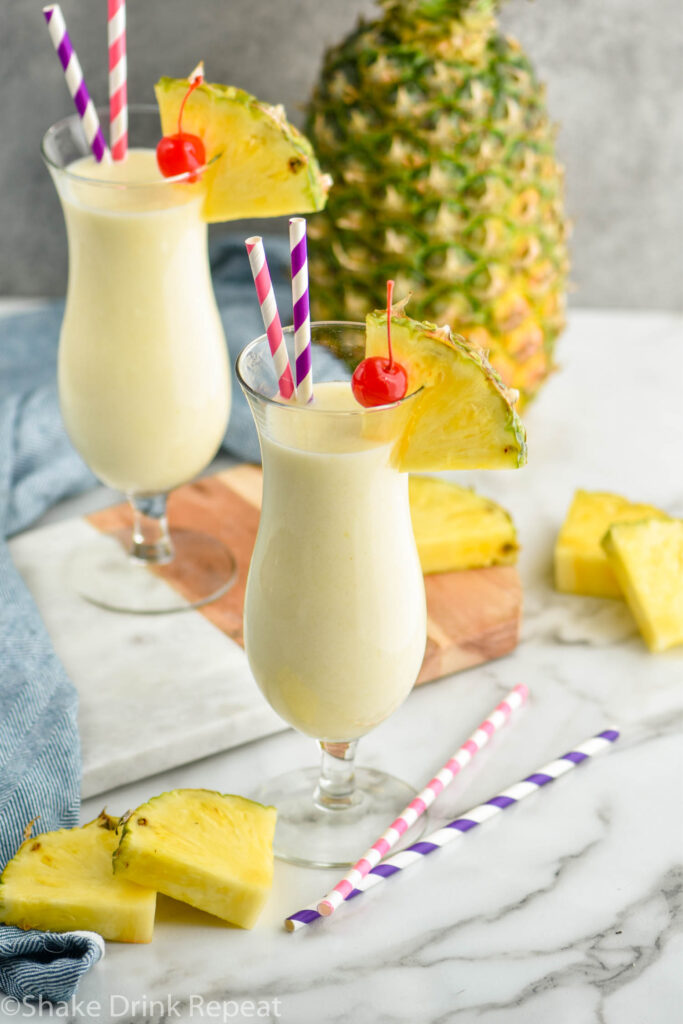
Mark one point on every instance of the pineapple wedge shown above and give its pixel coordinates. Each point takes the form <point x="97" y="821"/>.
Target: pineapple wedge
<point x="464" y="418"/>
<point x="265" y="167"/>
<point x="207" y="849"/>
<point x="647" y="559"/>
<point x="581" y="566"/>
<point x="457" y="529"/>
<point x="63" y="881"/>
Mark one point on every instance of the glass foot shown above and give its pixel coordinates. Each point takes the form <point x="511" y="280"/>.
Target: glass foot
<point x="104" y="573"/>
<point x="313" y="835"/>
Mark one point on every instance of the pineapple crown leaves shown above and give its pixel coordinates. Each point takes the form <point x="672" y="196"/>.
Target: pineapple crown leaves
<point x="437" y="10"/>
<point x="28" y="830"/>
<point x="428" y="15"/>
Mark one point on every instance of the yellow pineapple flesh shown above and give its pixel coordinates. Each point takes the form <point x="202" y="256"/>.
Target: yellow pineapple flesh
<point x="210" y="850"/>
<point x="260" y="164"/>
<point x="647" y="559"/>
<point x="455" y="528"/>
<point x="63" y="881"/>
<point x="581" y="566"/>
<point x="463" y="416"/>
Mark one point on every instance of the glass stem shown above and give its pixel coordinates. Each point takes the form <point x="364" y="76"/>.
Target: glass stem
<point x="336" y="787"/>
<point x="152" y="542"/>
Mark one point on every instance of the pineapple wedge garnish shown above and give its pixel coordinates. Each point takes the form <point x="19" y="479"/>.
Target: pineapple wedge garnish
<point x="207" y="849"/>
<point x="647" y="559"/>
<point x="457" y="529"/>
<point x="63" y="881"/>
<point x="260" y="164"/>
<point x="464" y="417"/>
<point x="581" y="566"/>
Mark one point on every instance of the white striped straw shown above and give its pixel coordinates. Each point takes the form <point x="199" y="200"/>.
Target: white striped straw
<point x="118" y="78"/>
<point x="409" y="815"/>
<point x="301" y="309"/>
<point x="271" y="317"/>
<point x="477" y="816"/>
<point x="75" y="81"/>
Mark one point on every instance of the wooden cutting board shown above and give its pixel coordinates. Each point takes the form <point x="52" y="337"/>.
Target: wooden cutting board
<point x="472" y="616"/>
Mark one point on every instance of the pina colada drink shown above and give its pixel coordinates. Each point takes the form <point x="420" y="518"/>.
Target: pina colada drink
<point x="335" y="610"/>
<point x="143" y="372"/>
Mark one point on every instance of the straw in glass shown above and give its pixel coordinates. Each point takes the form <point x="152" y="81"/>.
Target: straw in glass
<point x="301" y="307"/>
<point x="409" y="815"/>
<point x="118" y="79"/>
<point x="271" y="317"/>
<point x="75" y="81"/>
<point x="477" y="816"/>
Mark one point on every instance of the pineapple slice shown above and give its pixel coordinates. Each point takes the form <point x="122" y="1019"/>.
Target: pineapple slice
<point x="265" y="166"/>
<point x="458" y="529"/>
<point x="647" y="559"/>
<point x="581" y="566"/>
<point x="63" y="881"/>
<point x="212" y="851"/>
<point x="465" y="417"/>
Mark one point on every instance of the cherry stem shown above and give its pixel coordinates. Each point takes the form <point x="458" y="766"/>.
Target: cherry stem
<point x="390" y="297"/>
<point x="193" y="85"/>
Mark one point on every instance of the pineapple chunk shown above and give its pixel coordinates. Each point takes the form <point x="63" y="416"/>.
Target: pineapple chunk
<point x="207" y="849"/>
<point x="581" y="566"/>
<point x="265" y="167"/>
<point x="464" y="417"/>
<point x="458" y="529"/>
<point x="63" y="881"/>
<point x="647" y="559"/>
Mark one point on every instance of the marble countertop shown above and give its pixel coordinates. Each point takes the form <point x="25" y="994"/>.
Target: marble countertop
<point x="567" y="908"/>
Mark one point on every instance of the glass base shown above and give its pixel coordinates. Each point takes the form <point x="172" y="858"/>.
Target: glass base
<point x="103" y="572"/>
<point x="310" y="834"/>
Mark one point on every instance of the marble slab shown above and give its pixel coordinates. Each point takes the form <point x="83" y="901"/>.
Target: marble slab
<point x="165" y="693"/>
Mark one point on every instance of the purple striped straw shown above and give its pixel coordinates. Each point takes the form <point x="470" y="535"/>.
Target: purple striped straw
<point x="419" y="804"/>
<point x="75" y="81"/>
<point x="477" y="816"/>
<point x="302" y="317"/>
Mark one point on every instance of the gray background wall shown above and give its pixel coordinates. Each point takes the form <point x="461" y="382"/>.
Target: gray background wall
<point x="614" y="71"/>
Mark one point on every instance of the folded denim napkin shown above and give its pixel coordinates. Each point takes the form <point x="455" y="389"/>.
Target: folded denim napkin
<point x="39" y="746"/>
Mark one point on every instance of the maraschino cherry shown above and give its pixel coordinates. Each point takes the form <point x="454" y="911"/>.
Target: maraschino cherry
<point x="182" y="153"/>
<point x="380" y="381"/>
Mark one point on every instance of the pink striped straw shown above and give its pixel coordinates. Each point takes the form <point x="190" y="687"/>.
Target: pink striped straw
<point x="302" y="317"/>
<point x="118" y="79"/>
<point x="461" y="826"/>
<point x="75" y="81"/>
<point x="271" y="317"/>
<point x="409" y="815"/>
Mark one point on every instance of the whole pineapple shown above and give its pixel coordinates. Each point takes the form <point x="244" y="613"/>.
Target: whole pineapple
<point x="435" y="130"/>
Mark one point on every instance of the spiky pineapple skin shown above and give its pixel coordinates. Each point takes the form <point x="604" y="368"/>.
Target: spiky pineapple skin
<point x="435" y="129"/>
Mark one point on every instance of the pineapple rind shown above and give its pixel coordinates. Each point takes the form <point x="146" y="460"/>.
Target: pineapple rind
<point x="455" y="528"/>
<point x="208" y="849"/>
<point x="63" y="881"/>
<point x="465" y="417"/>
<point x="436" y="130"/>
<point x="647" y="559"/>
<point x="265" y="166"/>
<point x="581" y="566"/>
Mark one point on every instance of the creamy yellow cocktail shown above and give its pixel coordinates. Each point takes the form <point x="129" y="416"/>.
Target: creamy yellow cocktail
<point x="143" y="371"/>
<point x="335" y="621"/>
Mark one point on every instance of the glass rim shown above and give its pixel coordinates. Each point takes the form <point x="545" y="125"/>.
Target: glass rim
<point x="188" y="177"/>
<point x="310" y="408"/>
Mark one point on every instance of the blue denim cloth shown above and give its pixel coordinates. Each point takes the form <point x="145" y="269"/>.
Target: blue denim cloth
<point x="39" y="746"/>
